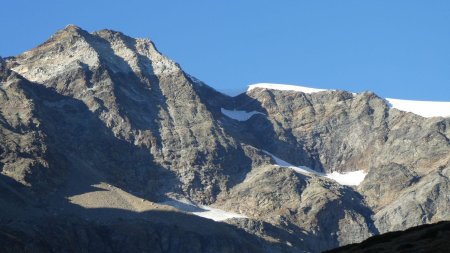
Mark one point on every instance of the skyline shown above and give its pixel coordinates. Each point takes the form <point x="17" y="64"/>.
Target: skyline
<point x="398" y="50"/>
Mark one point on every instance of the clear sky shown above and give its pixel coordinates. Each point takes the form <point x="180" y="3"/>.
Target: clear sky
<point x="397" y="48"/>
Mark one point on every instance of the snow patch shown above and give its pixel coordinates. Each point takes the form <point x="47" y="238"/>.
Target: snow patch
<point x="239" y="115"/>
<point x="93" y="88"/>
<point x="202" y="211"/>
<point x="299" y="169"/>
<point x="274" y="86"/>
<point x="422" y="108"/>
<point x="217" y="214"/>
<point x="347" y="178"/>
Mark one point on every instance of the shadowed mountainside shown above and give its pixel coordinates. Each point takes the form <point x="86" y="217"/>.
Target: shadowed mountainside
<point x="425" y="238"/>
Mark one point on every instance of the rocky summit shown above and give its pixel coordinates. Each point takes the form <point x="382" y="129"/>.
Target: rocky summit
<point x="106" y="145"/>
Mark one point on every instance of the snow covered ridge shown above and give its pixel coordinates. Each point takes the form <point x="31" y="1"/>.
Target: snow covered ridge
<point x="426" y="109"/>
<point x="202" y="211"/>
<point x="239" y="115"/>
<point x="348" y="178"/>
<point x="423" y="108"/>
<point x="274" y="86"/>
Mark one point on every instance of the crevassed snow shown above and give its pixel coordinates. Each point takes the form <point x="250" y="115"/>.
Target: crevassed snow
<point x="347" y="178"/>
<point x="239" y="115"/>
<point x="422" y="108"/>
<point x="274" y="86"/>
<point x="202" y="211"/>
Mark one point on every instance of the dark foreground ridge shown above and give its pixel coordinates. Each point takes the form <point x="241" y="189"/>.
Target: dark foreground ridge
<point x="425" y="238"/>
<point x="159" y="232"/>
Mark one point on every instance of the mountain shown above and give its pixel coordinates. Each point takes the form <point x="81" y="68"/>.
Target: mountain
<point x="100" y="131"/>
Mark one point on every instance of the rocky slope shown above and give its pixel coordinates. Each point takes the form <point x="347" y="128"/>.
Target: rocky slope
<point x="143" y="99"/>
<point x="406" y="156"/>
<point x="96" y="121"/>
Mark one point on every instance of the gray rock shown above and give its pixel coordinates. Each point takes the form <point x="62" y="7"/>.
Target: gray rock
<point x="425" y="202"/>
<point x="338" y="131"/>
<point x="330" y="213"/>
<point x="380" y="193"/>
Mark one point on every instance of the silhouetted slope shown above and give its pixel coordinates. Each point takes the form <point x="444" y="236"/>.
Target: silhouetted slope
<point x="425" y="238"/>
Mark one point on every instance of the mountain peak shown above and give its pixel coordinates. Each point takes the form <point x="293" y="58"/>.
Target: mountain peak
<point x="70" y="30"/>
<point x="72" y="27"/>
<point x="72" y="48"/>
<point x="106" y="30"/>
<point x="111" y="34"/>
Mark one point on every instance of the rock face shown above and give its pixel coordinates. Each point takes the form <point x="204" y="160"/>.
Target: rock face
<point x="100" y="121"/>
<point x="420" y="204"/>
<point x="142" y="98"/>
<point x="325" y="211"/>
<point x="339" y="131"/>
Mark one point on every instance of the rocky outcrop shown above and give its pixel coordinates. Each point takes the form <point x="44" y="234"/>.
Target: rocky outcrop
<point x="324" y="210"/>
<point x="380" y="193"/>
<point x="341" y="131"/>
<point x="425" y="202"/>
<point x="24" y="154"/>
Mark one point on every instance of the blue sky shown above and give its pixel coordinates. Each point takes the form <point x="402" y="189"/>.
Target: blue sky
<point x="397" y="48"/>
